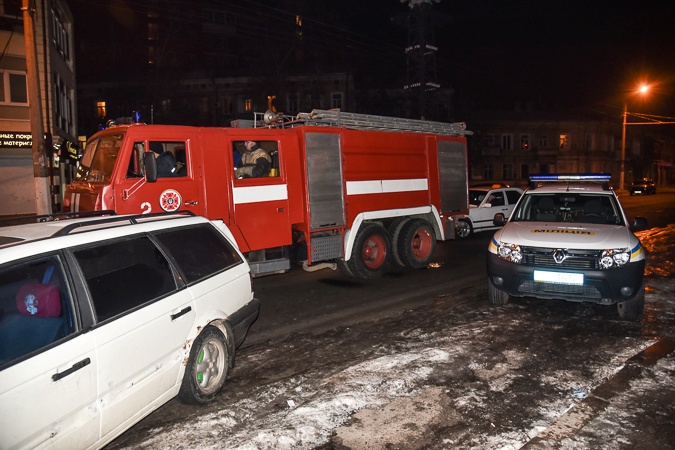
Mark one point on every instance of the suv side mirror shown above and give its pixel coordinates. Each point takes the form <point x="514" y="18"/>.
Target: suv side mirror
<point x="150" y="167"/>
<point x="499" y="220"/>
<point x="640" y="223"/>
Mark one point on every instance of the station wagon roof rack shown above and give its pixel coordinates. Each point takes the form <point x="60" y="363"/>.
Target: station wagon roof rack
<point x="118" y="220"/>
<point x="538" y="180"/>
<point x="33" y="218"/>
<point x="354" y="121"/>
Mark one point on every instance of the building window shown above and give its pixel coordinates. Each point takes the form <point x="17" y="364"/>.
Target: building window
<point x="564" y="142"/>
<point x="525" y="141"/>
<point x="543" y="141"/>
<point x="63" y="104"/>
<point x="13" y="88"/>
<point x="336" y="100"/>
<point x="487" y="171"/>
<point x="11" y="8"/>
<point x="507" y="142"/>
<point x="248" y="104"/>
<point x="507" y="172"/>
<point x="292" y="102"/>
<point x="100" y="110"/>
<point x="490" y="140"/>
<point x="589" y="143"/>
<point x="60" y="36"/>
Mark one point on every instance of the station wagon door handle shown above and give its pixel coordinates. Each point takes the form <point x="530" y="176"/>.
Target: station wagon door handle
<point x="73" y="368"/>
<point x="181" y="312"/>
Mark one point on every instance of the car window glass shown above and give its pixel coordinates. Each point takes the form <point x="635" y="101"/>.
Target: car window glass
<point x="35" y="306"/>
<point x="496" y="199"/>
<point x="122" y="275"/>
<point x="199" y="251"/>
<point x="513" y="197"/>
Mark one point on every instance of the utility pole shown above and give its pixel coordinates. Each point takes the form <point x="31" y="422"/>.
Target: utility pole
<point x="40" y="157"/>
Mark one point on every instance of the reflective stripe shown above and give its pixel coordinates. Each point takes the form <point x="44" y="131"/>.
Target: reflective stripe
<point x="386" y="186"/>
<point x="257" y="194"/>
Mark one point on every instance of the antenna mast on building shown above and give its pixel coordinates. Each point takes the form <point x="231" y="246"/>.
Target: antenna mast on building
<point x="420" y="56"/>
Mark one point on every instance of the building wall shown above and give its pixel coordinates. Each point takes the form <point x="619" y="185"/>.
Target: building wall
<point x="16" y="159"/>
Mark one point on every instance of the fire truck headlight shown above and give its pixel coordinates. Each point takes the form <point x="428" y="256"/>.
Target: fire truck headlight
<point x="615" y="257"/>
<point x="510" y="252"/>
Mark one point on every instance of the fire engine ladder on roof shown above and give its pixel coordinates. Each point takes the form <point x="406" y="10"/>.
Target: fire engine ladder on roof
<point x="337" y="118"/>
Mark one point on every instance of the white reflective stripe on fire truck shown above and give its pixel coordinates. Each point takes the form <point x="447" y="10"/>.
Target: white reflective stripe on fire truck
<point x="386" y="186"/>
<point x="257" y="194"/>
<point x="74" y="202"/>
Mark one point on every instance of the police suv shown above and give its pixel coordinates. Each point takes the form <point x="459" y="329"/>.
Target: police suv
<point x="568" y="238"/>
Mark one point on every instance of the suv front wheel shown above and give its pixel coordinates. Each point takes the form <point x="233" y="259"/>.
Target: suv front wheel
<point x="632" y="309"/>
<point x="497" y="297"/>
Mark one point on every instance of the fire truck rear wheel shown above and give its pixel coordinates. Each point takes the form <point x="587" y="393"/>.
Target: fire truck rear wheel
<point x="372" y="253"/>
<point x="416" y="244"/>
<point x="394" y="230"/>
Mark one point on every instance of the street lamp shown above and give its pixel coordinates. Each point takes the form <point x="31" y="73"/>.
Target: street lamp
<point x="643" y="89"/>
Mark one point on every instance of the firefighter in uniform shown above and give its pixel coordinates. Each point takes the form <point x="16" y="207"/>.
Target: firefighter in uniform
<point x="255" y="162"/>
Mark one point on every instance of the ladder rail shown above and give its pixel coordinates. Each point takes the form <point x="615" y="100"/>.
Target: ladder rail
<point x="355" y="121"/>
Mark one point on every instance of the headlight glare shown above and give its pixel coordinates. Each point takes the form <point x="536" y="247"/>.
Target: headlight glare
<point x="510" y="252"/>
<point x="615" y="257"/>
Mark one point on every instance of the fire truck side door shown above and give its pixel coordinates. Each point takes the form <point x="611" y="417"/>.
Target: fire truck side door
<point x="261" y="205"/>
<point x="179" y="177"/>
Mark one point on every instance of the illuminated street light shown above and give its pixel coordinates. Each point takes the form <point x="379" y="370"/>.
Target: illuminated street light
<point x="643" y="89"/>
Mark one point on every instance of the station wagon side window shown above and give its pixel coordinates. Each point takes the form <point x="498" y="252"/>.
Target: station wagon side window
<point x="35" y="306"/>
<point x="200" y="251"/>
<point x="122" y="275"/>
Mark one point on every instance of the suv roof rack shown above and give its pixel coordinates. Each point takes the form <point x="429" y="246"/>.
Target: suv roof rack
<point x="538" y="180"/>
<point x="133" y="220"/>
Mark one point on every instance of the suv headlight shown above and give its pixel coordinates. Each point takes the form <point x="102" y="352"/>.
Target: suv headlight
<point x="510" y="252"/>
<point x="615" y="257"/>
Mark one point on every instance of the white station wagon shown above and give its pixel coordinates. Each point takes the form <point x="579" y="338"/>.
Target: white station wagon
<point x="104" y="319"/>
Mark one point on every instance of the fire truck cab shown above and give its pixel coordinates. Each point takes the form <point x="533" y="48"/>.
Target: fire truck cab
<point x="352" y="190"/>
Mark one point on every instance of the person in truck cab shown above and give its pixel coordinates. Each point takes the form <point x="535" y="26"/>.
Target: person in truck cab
<point x="255" y="162"/>
<point x="166" y="163"/>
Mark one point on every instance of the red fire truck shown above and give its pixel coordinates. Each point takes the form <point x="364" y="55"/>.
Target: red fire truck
<point x="353" y="190"/>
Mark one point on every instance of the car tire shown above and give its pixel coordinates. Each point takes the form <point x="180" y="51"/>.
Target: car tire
<point x="371" y="253"/>
<point x="632" y="309"/>
<point x="464" y="228"/>
<point x="416" y="244"/>
<point x="206" y="369"/>
<point x="394" y="229"/>
<point x="497" y="296"/>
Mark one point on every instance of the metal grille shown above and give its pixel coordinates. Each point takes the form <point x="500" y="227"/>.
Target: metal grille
<point x="533" y="287"/>
<point x="326" y="247"/>
<point x="574" y="259"/>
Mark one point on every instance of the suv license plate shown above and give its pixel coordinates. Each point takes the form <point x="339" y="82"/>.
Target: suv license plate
<point x="559" y="277"/>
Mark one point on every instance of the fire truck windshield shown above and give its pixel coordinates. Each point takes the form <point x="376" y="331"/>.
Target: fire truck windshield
<point x="99" y="158"/>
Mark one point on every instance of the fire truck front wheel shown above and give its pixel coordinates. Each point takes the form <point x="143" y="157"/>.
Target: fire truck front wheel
<point x="371" y="253"/>
<point x="416" y="244"/>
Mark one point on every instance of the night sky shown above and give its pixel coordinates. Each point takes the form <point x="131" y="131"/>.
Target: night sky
<point x="553" y="53"/>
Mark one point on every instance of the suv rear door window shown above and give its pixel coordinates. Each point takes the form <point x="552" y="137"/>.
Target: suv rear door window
<point x="199" y="251"/>
<point x="125" y="274"/>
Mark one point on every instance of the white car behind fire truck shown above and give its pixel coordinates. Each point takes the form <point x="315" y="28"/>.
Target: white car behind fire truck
<point x="568" y="238"/>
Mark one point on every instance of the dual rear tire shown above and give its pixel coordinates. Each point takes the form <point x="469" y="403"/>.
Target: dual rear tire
<point x="409" y="242"/>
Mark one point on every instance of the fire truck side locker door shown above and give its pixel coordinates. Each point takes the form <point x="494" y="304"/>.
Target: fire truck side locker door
<point x="325" y="190"/>
<point x="452" y="175"/>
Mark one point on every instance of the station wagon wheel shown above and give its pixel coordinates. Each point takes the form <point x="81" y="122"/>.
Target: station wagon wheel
<point x="416" y="244"/>
<point x="206" y="368"/>
<point x="371" y="253"/>
<point x="464" y="228"/>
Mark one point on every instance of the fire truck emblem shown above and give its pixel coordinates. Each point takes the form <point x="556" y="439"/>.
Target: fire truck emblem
<point x="170" y="200"/>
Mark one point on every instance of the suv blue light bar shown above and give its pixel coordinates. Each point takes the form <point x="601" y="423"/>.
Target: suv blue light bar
<point x="572" y="177"/>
